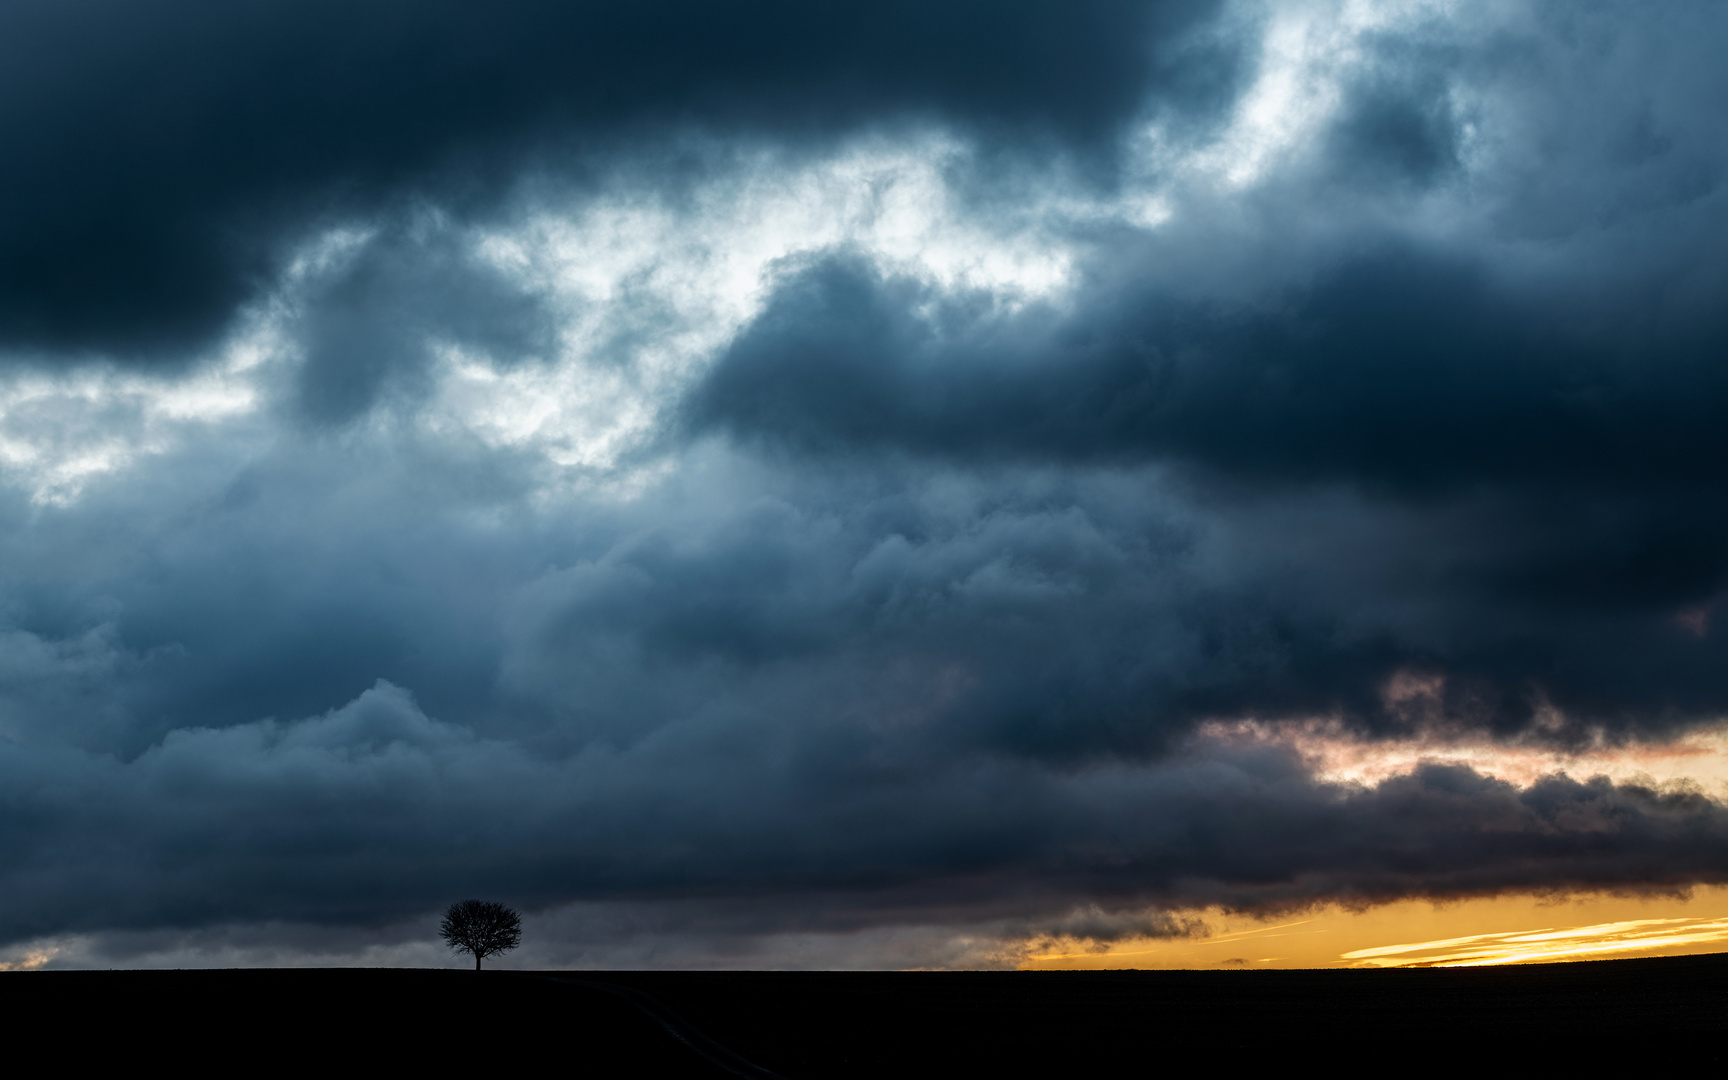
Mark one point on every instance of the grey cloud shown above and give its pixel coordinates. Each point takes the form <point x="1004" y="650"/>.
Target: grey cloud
<point x="1565" y="470"/>
<point x="896" y="627"/>
<point x="1400" y="369"/>
<point x="372" y="813"/>
<point x="371" y="327"/>
<point x="1401" y="127"/>
<point x="163" y="159"/>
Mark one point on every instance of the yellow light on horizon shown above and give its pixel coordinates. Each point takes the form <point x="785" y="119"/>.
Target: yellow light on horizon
<point x="1516" y="929"/>
<point x="1549" y="945"/>
<point x="1507" y="929"/>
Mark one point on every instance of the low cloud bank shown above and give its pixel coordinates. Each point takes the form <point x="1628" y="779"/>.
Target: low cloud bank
<point x="374" y="814"/>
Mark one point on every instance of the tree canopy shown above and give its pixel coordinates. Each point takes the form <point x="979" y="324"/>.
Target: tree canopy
<point x="482" y="927"/>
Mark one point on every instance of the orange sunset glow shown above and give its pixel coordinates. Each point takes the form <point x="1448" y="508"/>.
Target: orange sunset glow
<point x="1508" y="929"/>
<point x="1417" y="933"/>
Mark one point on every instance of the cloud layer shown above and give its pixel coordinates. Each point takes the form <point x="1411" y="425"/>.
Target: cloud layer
<point x="161" y="157"/>
<point x="796" y="482"/>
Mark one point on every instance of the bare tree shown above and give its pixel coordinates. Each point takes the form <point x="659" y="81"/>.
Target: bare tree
<point x="481" y="927"/>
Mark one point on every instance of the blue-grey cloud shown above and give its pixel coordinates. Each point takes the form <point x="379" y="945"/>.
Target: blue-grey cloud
<point x="161" y="158"/>
<point x="809" y="470"/>
<point x="373" y="810"/>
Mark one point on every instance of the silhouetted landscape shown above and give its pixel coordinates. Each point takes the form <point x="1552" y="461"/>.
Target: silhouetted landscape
<point x="830" y="1024"/>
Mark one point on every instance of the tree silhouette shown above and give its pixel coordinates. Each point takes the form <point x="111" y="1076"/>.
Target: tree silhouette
<point x="481" y="927"/>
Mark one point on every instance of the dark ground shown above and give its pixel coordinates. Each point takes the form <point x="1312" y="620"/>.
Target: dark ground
<point x="1670" y="1011"/>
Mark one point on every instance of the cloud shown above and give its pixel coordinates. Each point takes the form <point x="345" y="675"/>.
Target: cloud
<point x="1400" y="369"/>
<point x="164" y="159"/>
<point x="372" y="813"/>
<point x="759" y="497"/>
<point x="379" y="322"/>
<point x="1505" y="471"/>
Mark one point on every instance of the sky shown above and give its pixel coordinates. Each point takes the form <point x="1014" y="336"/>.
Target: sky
<point x="815" y="484"/>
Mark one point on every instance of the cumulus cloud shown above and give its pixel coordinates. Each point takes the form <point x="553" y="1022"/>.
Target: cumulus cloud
<point x="818" y="496"/>
<point x="162" y="157"/>
<point x="375" y="810"/>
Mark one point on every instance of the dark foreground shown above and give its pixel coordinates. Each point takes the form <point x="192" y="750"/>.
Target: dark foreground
<point x="809" y="1025"/>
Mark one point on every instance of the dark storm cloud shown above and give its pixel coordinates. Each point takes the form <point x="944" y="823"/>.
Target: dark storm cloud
<point x="1400" y="120"/>
<point x="905" y="607"/>
<point x="373" y="326"/>
<point x="1039" y="617"/>
<point x="845" y="701"/>
<point x="247" y="586"/>
<point x="1566" y="462"/>
<point x="374" y="811"/>
<point x="1405" y="371"/>
<point x="159" y="156"/>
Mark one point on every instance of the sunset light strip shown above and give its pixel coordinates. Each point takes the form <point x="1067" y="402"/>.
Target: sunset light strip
<point x="1535" y="946"/>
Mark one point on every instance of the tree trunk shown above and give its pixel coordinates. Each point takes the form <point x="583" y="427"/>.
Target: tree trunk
<point x="476" y="961"/>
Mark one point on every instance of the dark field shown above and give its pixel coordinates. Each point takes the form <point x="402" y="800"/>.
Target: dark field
<point x="1648" y="1012"/>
